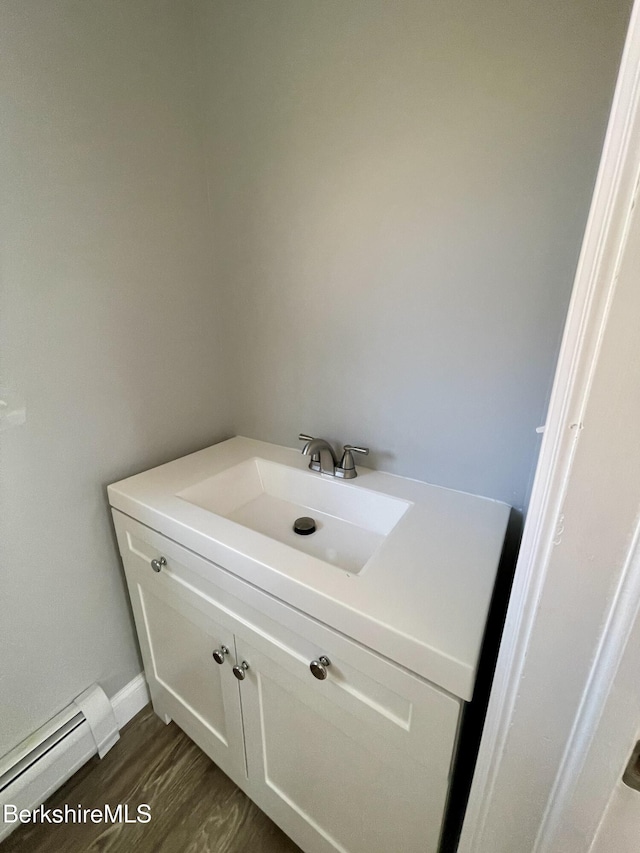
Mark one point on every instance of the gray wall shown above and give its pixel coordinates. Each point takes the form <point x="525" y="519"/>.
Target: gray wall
<point x="399" y="192"/>
<point x="109" y="323"/>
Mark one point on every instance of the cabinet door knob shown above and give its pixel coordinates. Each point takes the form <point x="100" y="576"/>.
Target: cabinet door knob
<point x="239" y="671"/>
<point x="319" y="667"/>
<point x="156" y="565"/>
<point x="218" y="654"/>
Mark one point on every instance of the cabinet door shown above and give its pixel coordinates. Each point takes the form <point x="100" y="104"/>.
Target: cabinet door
<point x="177" y="640"/>
<point x="349" y="763"/>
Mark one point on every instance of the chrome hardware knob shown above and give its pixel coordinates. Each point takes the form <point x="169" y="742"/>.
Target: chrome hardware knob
<point x="239" y="671"/>
<point x="218" y="654"/>
<point x="319" y="667"/>
<point x="156" y="565"/>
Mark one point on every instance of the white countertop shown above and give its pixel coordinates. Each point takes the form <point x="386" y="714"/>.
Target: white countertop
<point x="422" y="600"/>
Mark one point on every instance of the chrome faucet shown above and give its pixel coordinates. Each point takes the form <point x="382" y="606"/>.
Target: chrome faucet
<point x="321" y="452"/>
<point x="324" y="460"/>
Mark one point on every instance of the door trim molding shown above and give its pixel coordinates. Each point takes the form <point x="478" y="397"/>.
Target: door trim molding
<point x="579" y="783"/>
<point x="594" y="287"/>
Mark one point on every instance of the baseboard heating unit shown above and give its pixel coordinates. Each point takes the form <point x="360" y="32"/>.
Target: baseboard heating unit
<point x="41" y="763"/>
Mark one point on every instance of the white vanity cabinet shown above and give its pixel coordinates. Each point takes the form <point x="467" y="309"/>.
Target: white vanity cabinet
<point x="178" y="632"/>
<point x="357" y="762"/>
<point x="349" y="763"/>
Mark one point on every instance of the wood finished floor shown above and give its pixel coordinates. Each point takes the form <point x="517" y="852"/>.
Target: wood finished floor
<point x="195" y="808"/>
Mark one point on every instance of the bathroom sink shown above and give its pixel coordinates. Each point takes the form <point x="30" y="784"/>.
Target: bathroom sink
<point x="403" y="567"/>
<point x="351" y="521"/>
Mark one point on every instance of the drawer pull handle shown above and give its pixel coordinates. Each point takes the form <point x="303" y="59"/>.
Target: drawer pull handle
<point x="319" y="667"/>
<point x="156" y="565"/>
<point x="218" y="654"/>
<point x="239" y="671"/>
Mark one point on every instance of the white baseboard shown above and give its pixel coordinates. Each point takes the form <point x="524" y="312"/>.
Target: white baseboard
<point x="131" y="699"/>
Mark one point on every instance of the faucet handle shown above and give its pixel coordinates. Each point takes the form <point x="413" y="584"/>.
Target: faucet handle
<point x="303" y="437"/>
<point x="348" y="448"/>
<point x="347" y="468"/>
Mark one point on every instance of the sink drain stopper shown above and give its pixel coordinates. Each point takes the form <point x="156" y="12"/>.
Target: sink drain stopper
<point x="304" y="526"/>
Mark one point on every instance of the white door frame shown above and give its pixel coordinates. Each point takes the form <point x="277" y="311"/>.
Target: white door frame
<point x="593" y="292"/>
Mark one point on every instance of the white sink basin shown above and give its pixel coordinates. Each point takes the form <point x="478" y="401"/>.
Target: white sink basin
<point x="351" y="522"/>
<point x="402" y="567"/>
